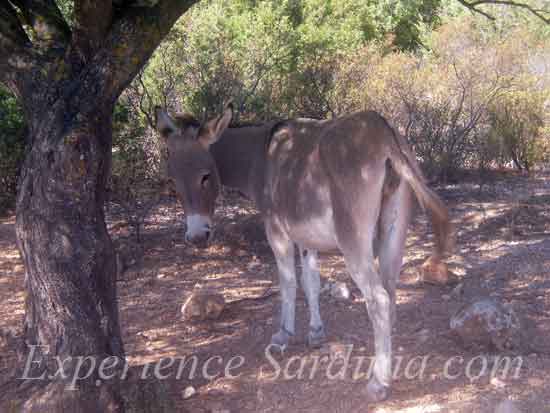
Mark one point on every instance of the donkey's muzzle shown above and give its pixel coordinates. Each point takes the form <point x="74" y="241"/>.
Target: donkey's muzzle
<point x="199" y="230"/>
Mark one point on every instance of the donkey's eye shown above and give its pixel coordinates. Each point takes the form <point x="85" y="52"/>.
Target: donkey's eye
<point x="205" y="180"/>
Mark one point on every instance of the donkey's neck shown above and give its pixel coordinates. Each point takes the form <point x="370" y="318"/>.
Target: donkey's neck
<point x="240" y="158"/>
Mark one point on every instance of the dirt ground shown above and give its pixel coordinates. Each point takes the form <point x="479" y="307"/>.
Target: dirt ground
<point x="503" y="250"/>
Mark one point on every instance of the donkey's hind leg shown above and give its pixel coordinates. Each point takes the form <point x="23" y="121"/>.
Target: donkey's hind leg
<point x="311" y="283"/>
<point x="355" y="232"/>
<point x="283" y="249"/>
<point x="394" y="222"/>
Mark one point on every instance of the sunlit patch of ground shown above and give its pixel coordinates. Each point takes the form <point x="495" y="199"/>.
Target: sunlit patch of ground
<point x="503" y="250"/>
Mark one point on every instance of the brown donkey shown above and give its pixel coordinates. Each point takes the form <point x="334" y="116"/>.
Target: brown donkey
<point x="320" y="185"/>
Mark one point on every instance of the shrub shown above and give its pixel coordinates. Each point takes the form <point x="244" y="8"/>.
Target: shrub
<point x="518" y="128"/>
<point x="12" y="148"/>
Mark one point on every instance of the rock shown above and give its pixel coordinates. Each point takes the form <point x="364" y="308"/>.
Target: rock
<point x="489" y="324"/>
<point x="434" y="271"/>
<point x="189" y="392"/>
<point x="507" y="406"/>
<point x="340" y="291"/>
<point x="203" y="304"/>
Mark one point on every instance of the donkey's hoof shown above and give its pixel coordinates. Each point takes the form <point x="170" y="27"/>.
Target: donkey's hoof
<point x="377" y="392"/>
<point x="316" y="337"/>
<point x="280" y="339"/>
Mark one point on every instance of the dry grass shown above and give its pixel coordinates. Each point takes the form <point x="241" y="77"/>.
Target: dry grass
<point x="503" y="249"/>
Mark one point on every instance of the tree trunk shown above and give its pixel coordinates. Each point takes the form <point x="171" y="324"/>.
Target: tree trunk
<point x="68" y="78"/>
<point x="71" y="304"/>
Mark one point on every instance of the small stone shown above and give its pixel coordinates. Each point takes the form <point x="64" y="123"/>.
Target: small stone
<point x="489" y="324"/>
<point x="189" y="392"/>
<point x="507" y="406"/>
<point x="161" y="275"/>
<point x="340" y="291"/>
<point x="203" y="304"/>
<point x="446" y="297"/>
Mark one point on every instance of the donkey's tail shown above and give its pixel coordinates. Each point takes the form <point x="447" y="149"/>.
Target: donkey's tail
<point x="406" y="166"/>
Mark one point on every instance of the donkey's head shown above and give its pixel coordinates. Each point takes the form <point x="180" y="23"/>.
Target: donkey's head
<point x="193" y="168"/>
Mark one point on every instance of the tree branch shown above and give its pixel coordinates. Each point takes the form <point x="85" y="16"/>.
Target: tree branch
<point x="93" y="18"/>
<point x="47" y="23"/>
<point x="134" y="37"/>
<point x="14" y="44"/>
<point x="543" y="14"/>
<point x="144" y="111"/>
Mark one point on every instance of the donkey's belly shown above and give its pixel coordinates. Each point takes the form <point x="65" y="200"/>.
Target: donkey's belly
<point x="314" y="231"/>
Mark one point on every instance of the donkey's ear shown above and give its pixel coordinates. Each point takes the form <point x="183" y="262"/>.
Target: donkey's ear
<point x="164" y="123"/>
<point x="214" y="128"/>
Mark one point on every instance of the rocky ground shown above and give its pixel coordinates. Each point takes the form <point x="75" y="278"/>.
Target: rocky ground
<point x="503" y="252"/>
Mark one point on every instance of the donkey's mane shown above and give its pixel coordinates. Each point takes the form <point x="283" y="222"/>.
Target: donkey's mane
<point x="238" y="125"/>
<point x="184" y="120"/>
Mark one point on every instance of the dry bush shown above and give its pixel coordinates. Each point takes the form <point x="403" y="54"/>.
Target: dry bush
<point x="471" y="102"/>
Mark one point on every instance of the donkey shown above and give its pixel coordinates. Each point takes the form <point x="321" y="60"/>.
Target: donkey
<point x="320" y="185"/>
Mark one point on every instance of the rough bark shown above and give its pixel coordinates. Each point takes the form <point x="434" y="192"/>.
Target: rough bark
<point x="71" y="307"/>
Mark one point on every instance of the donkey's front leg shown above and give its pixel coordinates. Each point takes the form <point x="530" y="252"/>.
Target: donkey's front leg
<point x="283" y="249"/>
<point x="311" y="283"/>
